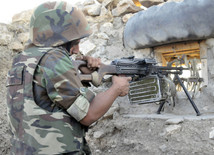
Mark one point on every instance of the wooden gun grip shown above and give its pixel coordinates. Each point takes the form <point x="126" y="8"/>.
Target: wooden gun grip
<point x="97" y="76"/>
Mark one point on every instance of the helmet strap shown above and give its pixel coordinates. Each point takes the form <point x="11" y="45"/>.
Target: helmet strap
<point x="68" y="47"/>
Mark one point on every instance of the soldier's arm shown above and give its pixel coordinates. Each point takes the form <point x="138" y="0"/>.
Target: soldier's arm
<point x="103" y="101"/>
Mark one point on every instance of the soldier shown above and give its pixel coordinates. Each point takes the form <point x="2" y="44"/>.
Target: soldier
<point x="49" y="109"/>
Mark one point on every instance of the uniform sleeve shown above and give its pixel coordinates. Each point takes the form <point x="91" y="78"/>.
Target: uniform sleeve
<point x="58" y="76"/>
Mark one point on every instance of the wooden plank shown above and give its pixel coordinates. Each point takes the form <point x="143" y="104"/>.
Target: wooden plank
<point x="177" y="46"/>
<point x="203" y="50"/>
<point x="204" y="71"/>
<point x="181" y="53"/>
<point x="137" y="3"/>
<point x="158" y="57"/>
<point x="164" y="62"/>
<point x="186" y="50"/>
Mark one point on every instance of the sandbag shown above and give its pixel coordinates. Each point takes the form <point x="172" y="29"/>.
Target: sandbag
<point x="169" y="23"/>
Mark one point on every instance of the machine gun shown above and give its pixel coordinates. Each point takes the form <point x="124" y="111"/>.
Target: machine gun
<point x="149" y="81"/>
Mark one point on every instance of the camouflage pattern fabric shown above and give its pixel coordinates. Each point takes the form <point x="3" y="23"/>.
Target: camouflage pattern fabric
<point x="56" y="23"/>
<point x="56" y="85"/>
<point x="35" y="130"/>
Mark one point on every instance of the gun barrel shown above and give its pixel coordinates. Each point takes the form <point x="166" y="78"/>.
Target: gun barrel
<point x="171" y="68"/>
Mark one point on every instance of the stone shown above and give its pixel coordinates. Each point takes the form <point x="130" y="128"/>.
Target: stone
<point x="23" y="37"/>
<point x="24" y="16"/>
<point x="107" y="28"/>
<point x="81" y="7"/>
<point x="172" y="129"/>
<point x="120" y="125"/>
<point x="111" y="3"/>
<point x="143" y="53"/>
<point x="113" y="52"/>
<point x="131" y="141"/>
<point x="117" y="23"/>
<point x="103" y="11"/>
<point x="90" y="20"/>
<point x="174" y="121"/>
<point x="115" y="107"/>
<point x="6" y="36"/>
<point x="17" y="46"/>
<point x="88" y="2"/>
<point x="115" y="2"/>
<point x="98" y="151"/>
<point x="106" y="3"/>
<point x="5" y="63"/>
<point x="163" y="148"/>
<point x="149" y="3"/>
<point x="102" y="36"/>
<point x="100" y="1"/>
<point x="115" y="12"/>
<point x="210" y="43"/>
<point x="19" y="27"/>
<point x="99" y="134"/>
<point x="169" y="0"/>
<point x="211" y="70"/>
<point x="110" y="112"/>
<point x="127" y="16"/>
<point x="116" y="115"/>
<point x="211" y="134"/>
<point x="100" y="42"/>
<point x="126" y="6"/>
<point x="87" y="47"/>
<point x="94" y="9"/>
<point x="95" y="28"/>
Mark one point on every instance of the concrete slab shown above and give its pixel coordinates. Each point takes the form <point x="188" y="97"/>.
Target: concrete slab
<point x="170" y="116"/>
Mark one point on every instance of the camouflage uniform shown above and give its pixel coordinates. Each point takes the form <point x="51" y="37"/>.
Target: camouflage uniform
<point x="45" y="98"/>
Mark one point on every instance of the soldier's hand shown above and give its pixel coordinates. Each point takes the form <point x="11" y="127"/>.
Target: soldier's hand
<point x="122" y="84"/>
<point x="92" y="63"/>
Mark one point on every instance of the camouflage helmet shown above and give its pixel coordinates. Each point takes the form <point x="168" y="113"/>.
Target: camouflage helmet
<point x="57" y="22"/>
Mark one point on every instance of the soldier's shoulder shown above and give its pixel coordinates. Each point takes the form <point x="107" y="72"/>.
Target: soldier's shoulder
<point x="58" y="51"/>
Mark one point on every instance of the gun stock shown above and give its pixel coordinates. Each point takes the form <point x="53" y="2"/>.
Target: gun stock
<point x="97" y="76"/>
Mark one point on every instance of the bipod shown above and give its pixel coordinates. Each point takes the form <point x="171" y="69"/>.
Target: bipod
<point x="187" y="94"/>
